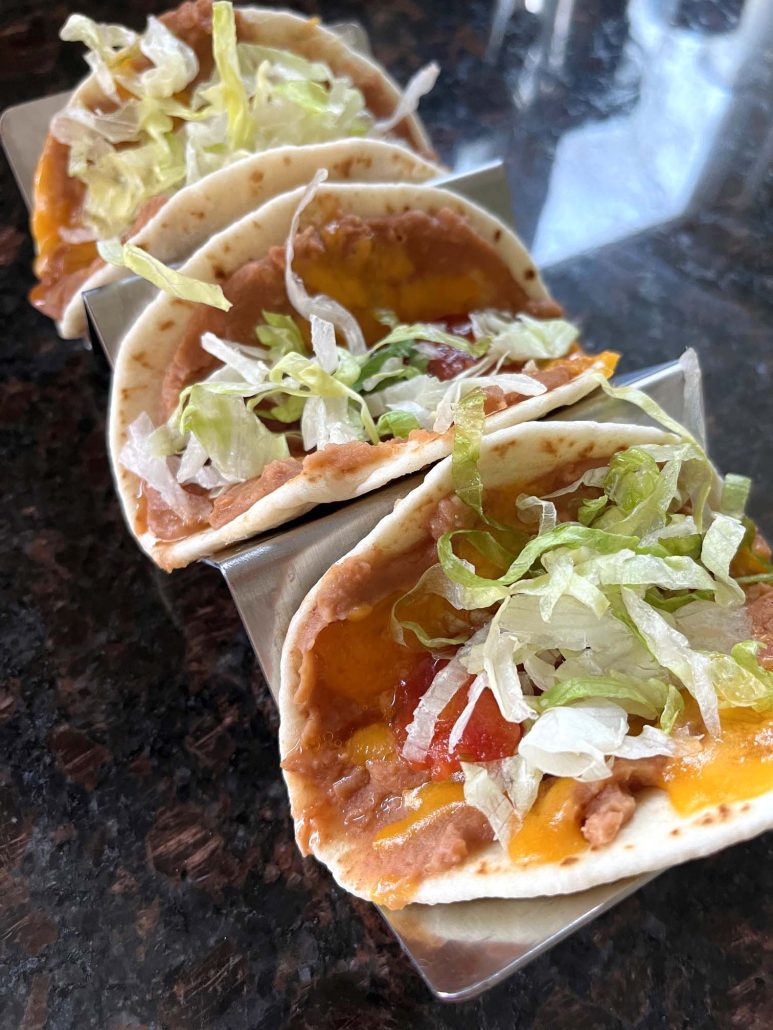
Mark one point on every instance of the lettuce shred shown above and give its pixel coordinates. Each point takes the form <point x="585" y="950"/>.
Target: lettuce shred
<point x="169" y="126"/>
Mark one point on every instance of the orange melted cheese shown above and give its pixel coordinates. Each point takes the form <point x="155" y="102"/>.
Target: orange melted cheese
<point x="381" y="274"/>
<point x="429" y="800"/>
<point x="57" y="204"/>
<point x="606" y="362"/>
<point x="551" y="830"/>
<point x="357" y="658"/>
<point x="375" y="742"/>
<point x="736" y="767"/>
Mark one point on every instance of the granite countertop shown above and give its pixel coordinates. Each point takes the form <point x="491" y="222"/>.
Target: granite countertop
<point x="148" y="875"/>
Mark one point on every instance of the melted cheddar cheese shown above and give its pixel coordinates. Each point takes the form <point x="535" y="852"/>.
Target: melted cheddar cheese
<point x="735" y="767"/>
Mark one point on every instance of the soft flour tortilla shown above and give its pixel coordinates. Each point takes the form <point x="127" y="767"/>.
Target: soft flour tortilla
<point x="656" y="837"/>
<point x="148" y="348"/>
<point x="196" y="213"/>
<point x="282" y="30"/>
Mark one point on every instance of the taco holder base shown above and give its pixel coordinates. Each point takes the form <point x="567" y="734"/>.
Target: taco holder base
<point x="459" y="949"/>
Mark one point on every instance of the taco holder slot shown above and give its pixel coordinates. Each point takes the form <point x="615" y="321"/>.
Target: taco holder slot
<point x="459" y="949"/>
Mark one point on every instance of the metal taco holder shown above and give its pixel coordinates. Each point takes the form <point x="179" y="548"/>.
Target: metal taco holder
<point x="459" y="949"/>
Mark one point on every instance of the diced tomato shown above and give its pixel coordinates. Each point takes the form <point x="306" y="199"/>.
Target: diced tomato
<point x="459" y="325"/>
<point x="487" y="736"/>
<point x="449" y="362"/>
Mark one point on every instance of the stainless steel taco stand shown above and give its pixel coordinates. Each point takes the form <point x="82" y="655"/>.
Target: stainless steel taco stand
<point x="459" y="949"/>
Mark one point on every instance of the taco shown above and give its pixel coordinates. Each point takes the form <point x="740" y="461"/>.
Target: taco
<point x="357" y="316"/>
<point x="203" y="87"/>
<point x="546" y="670"/>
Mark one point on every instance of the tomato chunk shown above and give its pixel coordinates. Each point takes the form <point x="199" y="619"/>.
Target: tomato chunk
<point x="487" y="736"/>
<point x="448" y="361"/>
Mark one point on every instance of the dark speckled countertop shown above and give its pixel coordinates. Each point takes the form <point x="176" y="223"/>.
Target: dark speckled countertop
<point x="148" y="875"/>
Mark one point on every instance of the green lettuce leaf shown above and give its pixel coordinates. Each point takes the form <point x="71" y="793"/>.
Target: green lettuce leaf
<point x="184" y="287"/>
<point x="645" y="698"/>
<point x="236" y="101"/>
<point x="281" y="335"/>
<point x="470" y="419"/>
<point x="523" y="338"/>
<point x="397" y="423"/>
<point x="740" y="680"/>
<point x="235" y="440"/>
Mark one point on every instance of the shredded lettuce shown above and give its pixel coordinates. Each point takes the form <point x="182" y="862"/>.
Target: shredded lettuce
<point x="429" y="333"/>
<point x="520" y="782"/>
<point x="232" y="89"/>
<point x="312" y="380"/>
<point x="740" y="680"/>
<point x="735" y="494"/>
<point x="576" y="740"/>
<point x="470" y="419"/>
<point x="323" y="343"/>
<point x="420" y="84"/>
<point x="238" y="444"/>
<point x="478" y="685"/>
<point x="581" y="740"/>
<point x="432" y="581"/>
<point x="646" y="698"/>
<point x="692" y="413"/>
<point x="569" y="535"/>
<point x="246" y="362"/>
<point x="545" y="510"/>
<point x="504" y="791"/>
<point x="482" y="792"/>
<point x="171" y="126"/>
<point x="720" y="544"/>
<point x="140" y="456"/>
<point x="711" y="627"/>
<point x="650" y="743"/>
<point x="672" y="650"/>
<point x="184" y="287"/>
<point x="174" y="63"/>
<point x="320" y="306"/>
<point x="397" y="423"/>
<point x="523" y="338"/>
<point x="633" y="475"/>
<point x="107" y="46"/>
<point x="281" y="335"/>
<point x="500" y="663"/>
